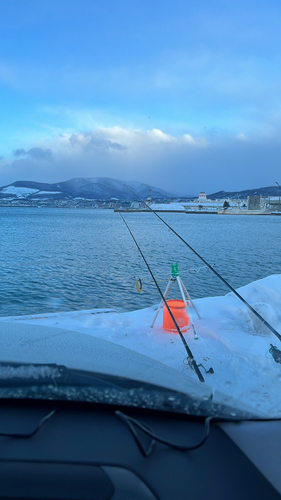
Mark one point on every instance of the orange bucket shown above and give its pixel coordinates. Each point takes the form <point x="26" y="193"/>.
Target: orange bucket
<point x="179" y="312"/>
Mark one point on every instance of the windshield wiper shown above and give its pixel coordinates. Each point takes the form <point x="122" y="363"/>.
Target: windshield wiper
<point x="19" y="375"/>
<point x="57" y="382"/>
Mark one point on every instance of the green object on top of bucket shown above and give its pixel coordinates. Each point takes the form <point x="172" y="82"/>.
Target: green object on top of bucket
<point x="175" y="270"/>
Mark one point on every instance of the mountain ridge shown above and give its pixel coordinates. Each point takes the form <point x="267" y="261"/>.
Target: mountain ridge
<point x="106" y="189"/>
<point x="263" y="191"/>
<point x="96" y="188"/>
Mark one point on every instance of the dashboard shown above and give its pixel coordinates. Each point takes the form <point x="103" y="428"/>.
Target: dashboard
<point x="84" y="451"/>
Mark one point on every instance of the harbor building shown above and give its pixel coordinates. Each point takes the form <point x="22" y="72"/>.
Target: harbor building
<point x="202" y="197"/>
<point x="253" y="202"/>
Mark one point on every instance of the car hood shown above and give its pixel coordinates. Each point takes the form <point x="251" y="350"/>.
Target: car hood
<point x="25" y="343"/>
<point x="22" y="343"/>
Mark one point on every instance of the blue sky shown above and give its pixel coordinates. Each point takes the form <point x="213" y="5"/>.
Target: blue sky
<point x="181" y="95"/>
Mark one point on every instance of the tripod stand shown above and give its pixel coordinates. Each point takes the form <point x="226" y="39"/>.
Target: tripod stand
<point x="184" y="293"/>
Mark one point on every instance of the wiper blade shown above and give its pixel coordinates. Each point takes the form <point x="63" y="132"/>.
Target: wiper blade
<point x="16" y="374"/>
<point x="32" y="374"/>
<point x="22" y="374"/>
<point x="57" y="382"/>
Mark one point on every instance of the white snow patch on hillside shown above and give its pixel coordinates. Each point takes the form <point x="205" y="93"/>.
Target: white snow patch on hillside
<point x="20" y="192"/>
<point x="49" y="192"/>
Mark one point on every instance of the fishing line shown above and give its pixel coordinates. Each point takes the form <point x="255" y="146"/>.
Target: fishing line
<point x="139" y="284"/>
<point x="212" y="269"/>
<point x="191" y="361"/>
<point x="191" y="270"/>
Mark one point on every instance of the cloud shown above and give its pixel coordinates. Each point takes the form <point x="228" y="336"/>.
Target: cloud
<point x="242" y="137"/>
<point x="20" y="152"/>
<point x="184" y="165"/>
<point x="134" y="139"/>
<point x="113" y="152"/>
<point x="34" y="153"/>
<point x="89" y="140"/>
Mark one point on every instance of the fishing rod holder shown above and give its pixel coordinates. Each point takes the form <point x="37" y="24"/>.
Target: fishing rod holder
<point x="185" y="296"/>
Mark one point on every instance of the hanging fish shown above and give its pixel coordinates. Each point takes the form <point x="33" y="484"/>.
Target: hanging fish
<point x="139" y="285"/>
<point x="276" y="353"/>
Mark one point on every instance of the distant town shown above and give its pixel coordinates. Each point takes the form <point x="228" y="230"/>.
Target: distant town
<point x="106" y="193"/>
<point x="252" y="205"/>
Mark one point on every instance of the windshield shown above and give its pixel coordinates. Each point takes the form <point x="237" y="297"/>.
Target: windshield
<point x="137" y="240"/>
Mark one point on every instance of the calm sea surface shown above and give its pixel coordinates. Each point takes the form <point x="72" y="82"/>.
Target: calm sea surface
<point x="70" y="259"/>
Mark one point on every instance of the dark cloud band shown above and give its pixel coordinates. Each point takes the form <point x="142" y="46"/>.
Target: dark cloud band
<point x="35" y="153"/>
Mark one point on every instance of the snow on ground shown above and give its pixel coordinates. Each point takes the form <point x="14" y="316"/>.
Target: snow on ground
<point x="231" y="340"/>
<point x="205" y="204"/>
<point x="167" y="206"/>
<point x="186" y="205"/>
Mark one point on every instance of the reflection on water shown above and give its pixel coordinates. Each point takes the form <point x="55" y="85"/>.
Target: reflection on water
<point x="66" y="259"/>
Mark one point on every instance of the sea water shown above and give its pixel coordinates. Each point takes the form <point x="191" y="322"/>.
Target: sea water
<point x="70" y="259"/>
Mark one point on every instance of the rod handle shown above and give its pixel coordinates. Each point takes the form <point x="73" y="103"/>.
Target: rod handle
<point x="198" y="373"/>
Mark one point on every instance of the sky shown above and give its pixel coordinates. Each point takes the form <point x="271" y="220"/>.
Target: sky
<point x="182" y="95"/>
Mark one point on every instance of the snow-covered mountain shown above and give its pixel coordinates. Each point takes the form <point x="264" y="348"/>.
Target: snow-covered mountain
<point x="99" y="188"/>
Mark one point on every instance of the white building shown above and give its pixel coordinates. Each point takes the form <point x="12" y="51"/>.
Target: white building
<point x="202" y="196"/>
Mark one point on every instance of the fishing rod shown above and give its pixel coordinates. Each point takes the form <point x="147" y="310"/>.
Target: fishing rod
<point x="212" y="269"/>
<point x="190" y="359"/>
